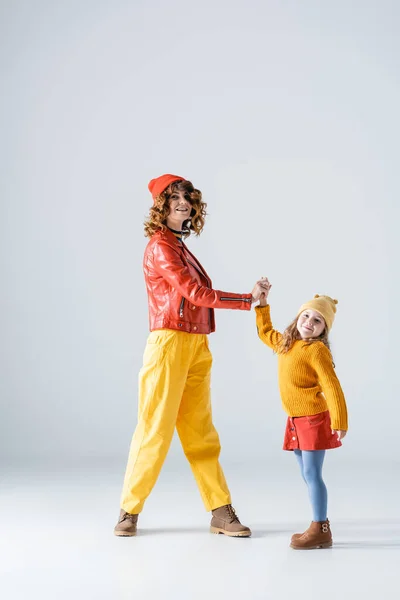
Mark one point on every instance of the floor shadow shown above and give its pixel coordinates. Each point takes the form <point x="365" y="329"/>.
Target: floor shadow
<point x="368" y="523"/>
<point x="190" y="531"/>
<point x="364" y="530"/>
<point x="265" y="531"/>
<point x="260" y="533"/>
<point x="257" y="532"/>
<point x="171" y="530"/>
<point x="367" y="544"/>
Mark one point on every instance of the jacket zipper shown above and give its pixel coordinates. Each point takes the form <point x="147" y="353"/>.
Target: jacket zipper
<point x="237" y="299"/>
<point x="181" y="308"/>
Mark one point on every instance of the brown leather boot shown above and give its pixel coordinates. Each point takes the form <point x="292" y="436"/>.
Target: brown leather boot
<point x="127" y="524"/>
<point x="225" y="520"/>
<point x="295" y="536"/>
<point x="318" y="535"/>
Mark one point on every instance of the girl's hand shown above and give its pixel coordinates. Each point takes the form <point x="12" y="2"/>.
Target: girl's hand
<point x="340" y="433"/>
<point x="263" y="300"/>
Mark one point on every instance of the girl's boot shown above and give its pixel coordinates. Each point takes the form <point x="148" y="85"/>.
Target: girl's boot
<point x="318" y="535"/>
<point x="295" y="536"/>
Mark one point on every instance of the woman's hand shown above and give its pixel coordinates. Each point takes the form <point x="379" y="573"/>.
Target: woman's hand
<point x="340" y="433"/>
<point x="264" y="295"/>
<point x="261" y="291"/>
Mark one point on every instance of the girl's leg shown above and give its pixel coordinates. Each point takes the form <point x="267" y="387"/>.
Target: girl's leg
<point x="313" y="461"/>
<point x="299" y="457"/>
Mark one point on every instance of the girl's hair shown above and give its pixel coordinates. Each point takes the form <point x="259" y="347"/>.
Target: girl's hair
<point x="159" y="212"/>
<point x="291" y="334"/>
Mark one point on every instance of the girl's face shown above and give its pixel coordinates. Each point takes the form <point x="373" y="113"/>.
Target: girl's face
<point x="310" y="324"/>
<point x="180" y="209"/>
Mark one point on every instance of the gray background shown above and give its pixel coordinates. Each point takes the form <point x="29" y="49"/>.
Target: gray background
<point x="285" y="115"/>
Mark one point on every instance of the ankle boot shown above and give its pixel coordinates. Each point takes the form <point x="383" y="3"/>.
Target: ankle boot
<point x="225" y="520"/>
<point x="127" y="525"/>
<point x="318" y="535"/>
<point x="295" y="536"/>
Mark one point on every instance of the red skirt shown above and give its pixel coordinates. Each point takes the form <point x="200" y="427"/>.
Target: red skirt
<point x="310" y="433"/>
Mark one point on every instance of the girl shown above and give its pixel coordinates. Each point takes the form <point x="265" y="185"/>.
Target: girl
<point x="313" y="399"/>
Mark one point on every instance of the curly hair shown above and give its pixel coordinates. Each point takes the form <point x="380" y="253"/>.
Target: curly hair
<point x="291" y="334"/>
<point x="159" y="212"/>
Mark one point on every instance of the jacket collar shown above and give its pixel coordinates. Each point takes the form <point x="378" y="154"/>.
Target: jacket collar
<point x="168" y="235"/>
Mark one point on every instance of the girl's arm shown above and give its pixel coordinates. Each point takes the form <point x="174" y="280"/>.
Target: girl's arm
<point x="331" y="388"/>
<point x="266" y="332"/>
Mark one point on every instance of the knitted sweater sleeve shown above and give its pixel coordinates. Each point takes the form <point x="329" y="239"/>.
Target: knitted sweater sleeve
<point x="330" y="385"/>
<point x="266" y="332"/>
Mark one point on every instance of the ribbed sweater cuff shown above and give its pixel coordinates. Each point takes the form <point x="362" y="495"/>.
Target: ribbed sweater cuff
<point x="262" y="309"/>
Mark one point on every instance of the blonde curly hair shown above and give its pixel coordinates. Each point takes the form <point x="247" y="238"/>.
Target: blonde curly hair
<point x="157" y="219"/>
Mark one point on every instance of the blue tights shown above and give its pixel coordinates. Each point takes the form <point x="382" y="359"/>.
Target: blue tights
<point x="311" y="462"/>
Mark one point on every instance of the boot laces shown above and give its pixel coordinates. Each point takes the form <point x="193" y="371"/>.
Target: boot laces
<point x="129" y="517"/>
<point x="232" y="514"/>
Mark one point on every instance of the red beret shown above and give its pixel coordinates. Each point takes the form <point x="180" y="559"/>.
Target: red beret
<point x="158" y="185"/>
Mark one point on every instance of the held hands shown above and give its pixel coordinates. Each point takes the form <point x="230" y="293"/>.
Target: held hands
<point x="261" y="290"/>
<point x="340" y="433"/>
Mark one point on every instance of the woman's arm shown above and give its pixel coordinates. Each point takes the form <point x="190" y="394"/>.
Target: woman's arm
<point x="168" y="263"/>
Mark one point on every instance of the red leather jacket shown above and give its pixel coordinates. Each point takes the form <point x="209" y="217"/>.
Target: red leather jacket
<point x="179" y="290"/>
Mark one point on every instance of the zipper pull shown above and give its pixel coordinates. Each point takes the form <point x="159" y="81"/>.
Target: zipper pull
<point x="181" y="308"/>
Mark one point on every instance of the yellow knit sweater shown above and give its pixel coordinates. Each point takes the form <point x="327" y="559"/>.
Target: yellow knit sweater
<point x="307" y="379"/>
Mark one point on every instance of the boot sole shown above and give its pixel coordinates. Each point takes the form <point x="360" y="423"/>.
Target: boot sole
<point x="316" y="547"/>
<point x="217" y="530"/>
<point x="124" y="534"/>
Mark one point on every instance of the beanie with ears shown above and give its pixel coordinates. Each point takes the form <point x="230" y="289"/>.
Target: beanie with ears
<point x="324" y="305"/>
<point x="158" y="185"/>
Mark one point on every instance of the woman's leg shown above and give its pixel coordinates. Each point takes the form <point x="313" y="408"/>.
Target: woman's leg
<point x="196" y="431"/>
<point x="313" y="461"/>
<point x="161" y="384"/>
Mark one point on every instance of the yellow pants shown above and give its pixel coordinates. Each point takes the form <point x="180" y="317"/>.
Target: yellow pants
<point x="174" y="391"/>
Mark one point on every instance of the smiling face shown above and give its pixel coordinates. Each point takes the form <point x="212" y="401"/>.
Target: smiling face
<point x="180" y="209"/>
<point x="310" y="324"/>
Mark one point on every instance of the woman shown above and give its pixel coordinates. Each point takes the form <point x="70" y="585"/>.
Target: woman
<point x="174" y="382"/>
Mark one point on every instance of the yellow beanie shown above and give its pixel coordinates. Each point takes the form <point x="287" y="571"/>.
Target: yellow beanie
<point x="325" y="305"/>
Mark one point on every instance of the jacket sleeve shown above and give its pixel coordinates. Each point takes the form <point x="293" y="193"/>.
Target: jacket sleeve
<point x="168" y="264"/>
<point x="330" y="385"/>
<point x="266" y="332"/>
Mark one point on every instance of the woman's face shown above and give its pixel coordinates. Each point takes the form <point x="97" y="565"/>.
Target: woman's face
<point x="310" y="324"/>
<point x="180" y="209"/>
